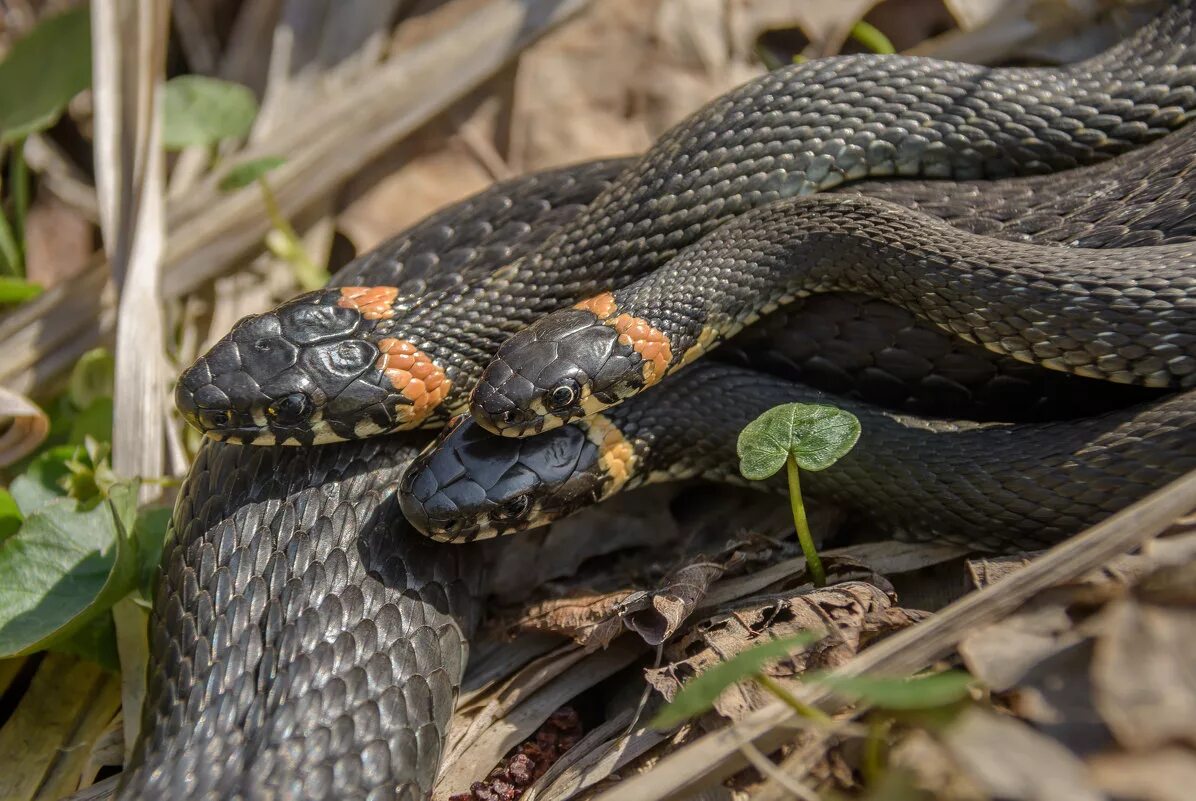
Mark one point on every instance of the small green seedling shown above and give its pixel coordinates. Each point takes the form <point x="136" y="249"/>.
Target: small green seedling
<point x="797" y="435"/>
<point x="282" y="240"/>
<point x="699" y="694"/>
<point x="40" y="75"/>
<point x="202" y="112"/>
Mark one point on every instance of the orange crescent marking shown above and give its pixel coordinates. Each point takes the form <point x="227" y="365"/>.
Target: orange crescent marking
<point x="415" y="375"/>
<point x="650" y="343"/>
<point x="374" y="302"/>
<point x="602" y="306"/>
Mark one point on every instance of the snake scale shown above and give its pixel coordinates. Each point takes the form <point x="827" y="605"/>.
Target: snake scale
<point x="304" y="643"/>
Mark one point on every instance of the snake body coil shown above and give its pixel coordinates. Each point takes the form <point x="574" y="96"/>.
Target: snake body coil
<point x="305" y="642"/>
<point x="368" y="360"/>
<point x="298" y="653"/>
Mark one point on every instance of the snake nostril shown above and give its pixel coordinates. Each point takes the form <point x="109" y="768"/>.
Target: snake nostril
<point x="511" y="417"/>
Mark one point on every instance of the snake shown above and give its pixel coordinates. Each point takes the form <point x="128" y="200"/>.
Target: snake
<point x="305" y="642"/>
<point x="353" y="362"/>
<point x="1126" y="315"/>
<point x="983" y="485"/>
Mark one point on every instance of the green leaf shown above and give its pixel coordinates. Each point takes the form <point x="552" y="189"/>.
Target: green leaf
<point x="817" y="437"/>
<point x="94" y="640"/>
<point x="95" y="421"/>
<point x="10" y="515"/>
<point x="42" y="72"/>
<point x="150" y="532"/>
<point x="700" y="693"/>
<point x="40" y="483"/>
<point x="202" y="111"/>
<point x="18" y="290"/>
<point x="92" y="377"/>
<point x="65" y="566"/>
<point x="920" y="692"/>
<point x="244" y="174"/>
<point x="870" y="37"/>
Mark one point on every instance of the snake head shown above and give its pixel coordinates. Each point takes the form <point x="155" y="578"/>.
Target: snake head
<point x="316" y="369"/>
<point x="565" y="366"/>
<point x="471" y="485"/>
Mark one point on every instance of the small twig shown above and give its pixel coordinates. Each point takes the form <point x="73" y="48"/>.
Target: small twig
<point x="769" y="769"/>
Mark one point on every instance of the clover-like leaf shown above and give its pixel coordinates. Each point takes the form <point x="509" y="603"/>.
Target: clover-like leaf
<point x="918" y="692"/>
<point x="197" y="110"/>
<point x="247" y="172"/>
<point x="42" y="72"/>
<point x="816" y="436"/>
<point x="700" y="693"/>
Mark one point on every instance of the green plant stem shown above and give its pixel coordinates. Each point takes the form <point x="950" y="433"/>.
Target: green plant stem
<point x="790" y="700"/>
<point x="18" y="179"/>
<point x="10" y="255"/>
<point x="872" y="762"/>
<point x="309" y="275"/>
<point x="804" y="537"/>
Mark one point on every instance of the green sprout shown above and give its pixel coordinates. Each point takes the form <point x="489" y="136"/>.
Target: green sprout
<point x="700" y="693"/>
<point x="282" y="240"/>
<point x="202" y="112"/>
<point x="797" y="435"/>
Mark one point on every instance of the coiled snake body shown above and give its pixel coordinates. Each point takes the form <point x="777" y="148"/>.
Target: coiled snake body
<point x="305" y="644"/>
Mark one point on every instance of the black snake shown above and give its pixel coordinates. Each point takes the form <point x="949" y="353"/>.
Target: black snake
<point x="301" y="645"/>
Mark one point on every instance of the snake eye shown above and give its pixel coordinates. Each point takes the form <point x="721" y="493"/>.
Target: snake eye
<point x="263" y="344"/>
<point x="289" y="410"/>
<point x="513" y="510"/>
<point x="562" y="396"/>
<point x="218" y="419"/>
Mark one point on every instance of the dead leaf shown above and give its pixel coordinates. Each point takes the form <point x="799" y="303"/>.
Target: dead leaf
<point x="921" y="754"/>
<point x="591" y="620"/>
<point x="23" y="426"/>
<point x="844" y="615"/>
<point x="664" y="610"/>
<point x="1144" y="674"/>
<point x="1011" y="761"/>
<point x="1165" y="775"/>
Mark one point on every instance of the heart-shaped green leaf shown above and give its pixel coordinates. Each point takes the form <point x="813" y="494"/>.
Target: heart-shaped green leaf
<point x="247" y="172"/>
<point x="816" y="436"/>
<point x="700" y="693"/>
<point x="42" y="72"/>
<point x="197" y="110"/>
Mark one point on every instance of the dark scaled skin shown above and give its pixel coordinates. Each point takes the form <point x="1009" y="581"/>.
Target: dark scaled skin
<point x="305" y="643"/>
<point x="1126" y="315"/>
<point x="307" y="371"/>
<point x="809" y="128"/>
<point x="468" y="475"/>
<point x="301" y="374"/>
<point x="988" y="486"/>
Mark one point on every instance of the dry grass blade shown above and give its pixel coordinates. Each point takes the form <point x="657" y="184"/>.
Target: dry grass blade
<point x="129" y="40"/>
<point x="23" y="426"/>
<point x="210" y="230"/>
<point x="718" y="755"/>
